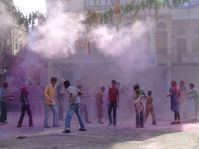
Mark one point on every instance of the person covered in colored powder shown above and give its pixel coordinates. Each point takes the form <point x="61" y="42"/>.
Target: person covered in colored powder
<point x="183" y="100"/>
<point x="4" y="97"/>
<point x="99" y="103"/>
<point x="84" y="103"/>
<point x="113" y="103"/>
<point x="74" y="107"/>
<point x="50" y="103"/>
<point x="194" y="95"/>
<point x="174" y="95"/>
<point x="61" y="101"/>
<point x="25" y="107"/>
<point x="149" y="108"/>
<point x="139" y="106"/>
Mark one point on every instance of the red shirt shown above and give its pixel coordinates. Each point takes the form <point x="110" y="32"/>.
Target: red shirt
<point x="113" y="93"/>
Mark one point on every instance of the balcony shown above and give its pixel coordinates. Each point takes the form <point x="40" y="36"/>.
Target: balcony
<point x="102" y="4"/>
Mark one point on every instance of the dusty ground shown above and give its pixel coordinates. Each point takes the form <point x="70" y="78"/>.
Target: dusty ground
<point x="124" y="136"/>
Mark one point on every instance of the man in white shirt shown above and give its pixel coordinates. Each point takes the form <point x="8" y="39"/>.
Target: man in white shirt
<point x="194" y="95"/>
<point x="74" y="100"/>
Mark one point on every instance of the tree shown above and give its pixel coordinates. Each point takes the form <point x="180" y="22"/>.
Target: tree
<point x="132" y="8"/>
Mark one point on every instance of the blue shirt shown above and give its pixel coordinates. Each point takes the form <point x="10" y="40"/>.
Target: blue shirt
<point x="3" y="94"/>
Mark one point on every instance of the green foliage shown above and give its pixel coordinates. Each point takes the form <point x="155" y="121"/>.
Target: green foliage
<point x="138" y="7"/>
<point x="16" y="14"/>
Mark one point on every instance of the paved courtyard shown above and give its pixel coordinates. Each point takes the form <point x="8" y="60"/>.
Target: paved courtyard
<point x="124" y="136"/>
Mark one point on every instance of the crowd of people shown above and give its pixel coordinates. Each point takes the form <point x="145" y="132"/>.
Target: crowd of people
<point x="183" y="101"/>
<point x="54" y="96"/>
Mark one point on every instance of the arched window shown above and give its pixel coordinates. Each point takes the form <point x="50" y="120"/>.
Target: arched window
<point x="161" y="37"/>
<point x="195" y="40"/>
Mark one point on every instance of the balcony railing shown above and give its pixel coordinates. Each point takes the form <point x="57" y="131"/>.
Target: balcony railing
<point x="103" y="4"/>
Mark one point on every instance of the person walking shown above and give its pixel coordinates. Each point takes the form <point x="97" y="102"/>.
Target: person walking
<point x="25" y="107"/>
<point x="74" y="107"/>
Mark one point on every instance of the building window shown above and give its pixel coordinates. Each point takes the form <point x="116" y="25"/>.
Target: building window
<point x="16" y="46"/>
<point x="195" y="39"/>
<point x="20" y="46"/>
<point x="181" y="45"/>
<point x="161" y="37"/>
<point x="8" y="42"/>
<point x="161" y="41"/>
<point x="195" y="32"/>
<point x="181" y="32"/>
<point x="195" y="44"/>
<point x="161" y="25"/>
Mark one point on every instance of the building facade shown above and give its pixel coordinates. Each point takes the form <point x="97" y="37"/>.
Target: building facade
<point x="174" y="39"/>
<point x="19" y="38"/>
<point x="12" y="37"/>
<point x="176" y="42"/>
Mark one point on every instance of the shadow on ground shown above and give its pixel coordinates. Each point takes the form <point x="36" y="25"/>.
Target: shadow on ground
<point x="104" y="137"/>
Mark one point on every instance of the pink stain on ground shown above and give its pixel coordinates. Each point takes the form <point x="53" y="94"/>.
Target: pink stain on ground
<point x="190" y="126"/>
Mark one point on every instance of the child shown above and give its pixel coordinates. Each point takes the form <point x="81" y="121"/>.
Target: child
<point x="99" y="103"/>
<point x="25" y="107"/>
<point x="149" y="108"/>
<point x="139" y="106"/>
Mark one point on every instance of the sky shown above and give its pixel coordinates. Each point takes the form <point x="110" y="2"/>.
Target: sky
<point x="27" y="6"/>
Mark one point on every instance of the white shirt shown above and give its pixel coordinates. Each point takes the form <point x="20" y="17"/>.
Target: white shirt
<point x="73" y="94"/>
<point x="195" y="94"/>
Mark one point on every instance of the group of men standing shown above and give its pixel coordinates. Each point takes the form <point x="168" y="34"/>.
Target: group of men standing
<point x="184" y="101"/>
